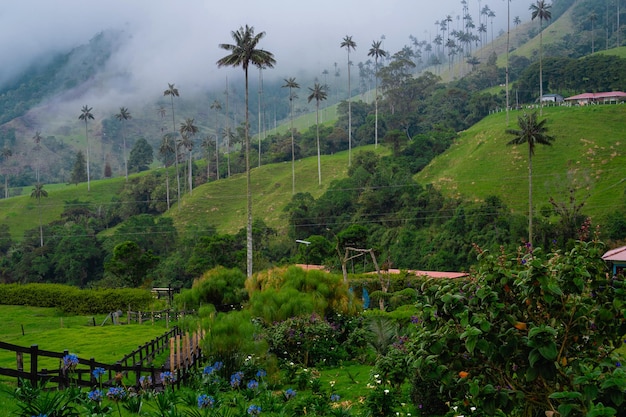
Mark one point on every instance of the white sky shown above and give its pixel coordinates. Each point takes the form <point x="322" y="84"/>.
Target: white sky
<point x="177" y="40"/>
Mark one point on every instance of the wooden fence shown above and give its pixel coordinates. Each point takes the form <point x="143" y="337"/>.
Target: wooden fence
<point x="184" y="355"/>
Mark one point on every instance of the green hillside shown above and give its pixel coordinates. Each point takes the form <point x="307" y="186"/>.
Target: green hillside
<point x="220" y="204"/>
<point x="588" y="152"/>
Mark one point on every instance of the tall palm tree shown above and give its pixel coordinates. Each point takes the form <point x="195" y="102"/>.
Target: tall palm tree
<point x="508" y="40"/>
<point x="187" y="131"/>
<point x="86" y="115"/>
<point x="172" y="91"/>
<point x="217" y="106"/>
<point x="37" y="139"/>
<point x="241" y="54"/>
<point x="349" y="44"/>
<point x="541" y="10"/>
<point x="318" y="92"/>
<point x="517" y="20"/>
<point x="123" y="116"/>
<point x="207" y="144"/>
<point x="291" y="84"/>
<point x="592" y="18"/>
<point x="37" y="193"/>
<point x="377" y="52"/>
<point x="532" y="132"/>
<point x="5" y="154"/>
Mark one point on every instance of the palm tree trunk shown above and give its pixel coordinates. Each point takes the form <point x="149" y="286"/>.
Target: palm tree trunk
<point x="540" y="70"/>
<point x="88" y="173"/>
<point x="190" y="175"/>
<point x="376" y="104"/>
<point x="167" y="185"/>
<point x="293" y="150"/>
<point x="40" y="225"/>
<point x="124" y="150"/>
<point x="175" y="154"/>
<point x="349" y="115"/>
<point x="217" y="150"/>
<point x="248" y="191"/>
<point x="317" y="129"/>
<point x="508" y="38"/>
<point x="530" y="198"/>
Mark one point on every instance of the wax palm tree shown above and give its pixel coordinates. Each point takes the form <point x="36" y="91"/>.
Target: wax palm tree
<point x="532" y="132"/>
<point x="207" y="145"/>
<point x="86" y="115"/>
<point x="172" y="92"/>
<point x="123" y="116"/>
<point x="166" y="149"/>
<point x="37" y="193"/>
<point x="508" y="40"/>
<point x="291" y="84"/>
<point x="541" y="10"/>
<point x="349" y="44"/>
<point x="241" y="54"/>
<point x="37" y="139"/>
<point x="229" y="135"/>
<point x="517" y="20"/>
<point x="217" y="106"/>
<point x="187" y="131"/>
<point x="318" y="92"/>
<point x="593" y="17"/>
<point x="377" y="52"/>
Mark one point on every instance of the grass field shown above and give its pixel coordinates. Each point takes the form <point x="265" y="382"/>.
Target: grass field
<point x="56" y="332"/>
<point x="589" y="153"/>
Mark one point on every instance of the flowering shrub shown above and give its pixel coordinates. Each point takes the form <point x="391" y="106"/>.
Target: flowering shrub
<point x="235" y="379"/>
<point x="70" y="361"/>
<point x="95" y="395"/>
<point x="289" y="394"/>
<point x="167" y="377"/>
<point x="116" y="394"/>
<point x="205" y="401"/>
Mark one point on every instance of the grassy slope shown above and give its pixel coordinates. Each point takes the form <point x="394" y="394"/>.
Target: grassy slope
<point x="222" y="203"/>
<point x="21" y="213"/>
<point x="589" y="144"/>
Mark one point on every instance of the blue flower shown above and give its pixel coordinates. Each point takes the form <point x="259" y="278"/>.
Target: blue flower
<point x="218" y="366"/>
<point x="98" y="372"/>
<point x="95" y="395"/>
<point x="334" y="398"/>
<point x="253" y="384"/>
<point x="208" y="370"/>
<point x="254" y="410"/>
<point x="116" y="393"/>
<point x="235" y="379"/>
<point x="261" y="373"/>
<point x="205" y="401"/>
<point x="145" y="381"/>
<point x="167" y="377"/>
<point x="290" y="393"/>
<point x="70" y="361"/>
<point x="618" y="364"/>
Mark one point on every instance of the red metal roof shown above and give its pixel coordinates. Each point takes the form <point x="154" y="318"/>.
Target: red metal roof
<point x="617" y="254"/>
<point x="597" y="96"/>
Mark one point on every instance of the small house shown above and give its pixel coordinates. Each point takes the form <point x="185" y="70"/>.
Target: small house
<point x="617" y="259"/>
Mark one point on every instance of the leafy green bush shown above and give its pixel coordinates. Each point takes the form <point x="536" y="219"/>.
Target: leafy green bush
<point x="73" y="300"/>
<point x="219" y="286"/>
<point x="533" y="332"/>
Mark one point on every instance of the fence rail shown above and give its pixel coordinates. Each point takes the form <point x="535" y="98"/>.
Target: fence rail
<point x="184" y="354"/>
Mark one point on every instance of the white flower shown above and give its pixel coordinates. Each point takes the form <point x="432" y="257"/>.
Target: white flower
<point x="386" y="391"/>
<point x="473" y="408"/>
<point x="376" y="376"/>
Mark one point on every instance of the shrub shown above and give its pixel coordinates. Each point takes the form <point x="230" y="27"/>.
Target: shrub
<point x="73" y="300"/>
